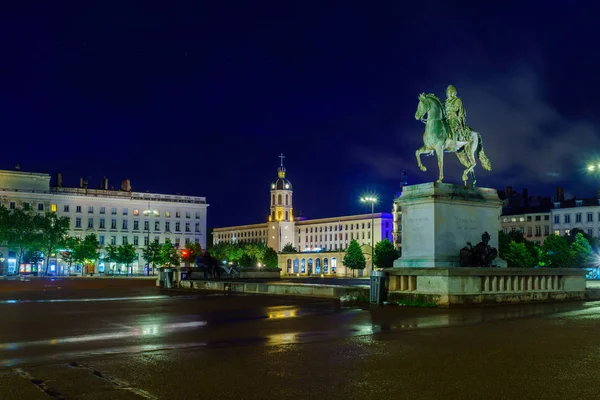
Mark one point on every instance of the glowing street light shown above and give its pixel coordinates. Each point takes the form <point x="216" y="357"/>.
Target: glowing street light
<point x="371" y="200"/>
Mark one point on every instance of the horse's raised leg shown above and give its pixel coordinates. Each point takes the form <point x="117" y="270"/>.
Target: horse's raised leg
<point x="418" y="153"/>
<point x="439" y="151"/>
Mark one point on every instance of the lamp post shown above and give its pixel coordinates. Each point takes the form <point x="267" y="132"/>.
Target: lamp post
<point x="372" y="200"/>
<point x="149" y="213"/>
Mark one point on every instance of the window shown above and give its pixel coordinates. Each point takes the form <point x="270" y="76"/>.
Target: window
<point x="101" y="240"/>
<point x="90" y="222"/>
<point x="156" y="225"/>
<point x="590" y="231"/>
<point x="136" y="213"/>
<point x="53" y="207"/>
<point x="41" y="207"/>
<point x="590" y="217"/>
<point x="168" y="214"/>
<point x="538" y="217"/>
<point x="124" y="240"/>
<point x="177" y="226"/>
<point x="529" y="218"/>
<point x="505" y="230"/>
<point x="578" y="217"/>
<point x="197" y="240"/>
<point x="146" y="225"/>
<point x="136" y="241"/>
<point x="187" y="240"/>
<point x="167" y="226"/>
<point x="557" y="219"/>
<point x="567" y="232"/>
<point x="113" y="211"/>
<point x="546" y="230"/>
<point x="567" y="218"/>
<point x="90" y="209"/>
<point x="197" y="227"/>
<point x="78" y="222"/>
<point x="125" y="211"/>
<point x="521" y="219"/>
<point x="177" y="241"/>
<point x="177" y="214"/>
<point x="136" y="225"/>
<point x="102" y="210"/>
<point x="522" y="229"/>
<point x="102" y="223"/>
<point x="538" y="230"/>
<point x="113" y="240"/>
<point x="187" y="227"/>
<point x="369" y="225"/>
<point x="513" y="220"/>
<point x="113" y="224"/>
<point x="12" y="206"/>
<point x="124" y="224"/>
<point x="529" y="231"/>
<point x="78" y="209"/>
<point x="146" y="241"/>
<point x="546" y="218"/>
<point x="557" y="232"/>
<point x="156" y="239"/>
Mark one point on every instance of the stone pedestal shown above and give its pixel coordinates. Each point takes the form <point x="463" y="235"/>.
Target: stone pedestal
<point x="438" y="219"/>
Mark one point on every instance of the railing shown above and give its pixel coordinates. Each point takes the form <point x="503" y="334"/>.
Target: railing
<point x="403" y="283"/>
<point x="507" y="284"/>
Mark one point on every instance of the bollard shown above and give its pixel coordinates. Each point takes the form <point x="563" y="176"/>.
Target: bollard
<point x="377" y="287"/>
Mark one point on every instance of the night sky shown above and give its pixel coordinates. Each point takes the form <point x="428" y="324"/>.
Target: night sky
<point x="201" y="97"/>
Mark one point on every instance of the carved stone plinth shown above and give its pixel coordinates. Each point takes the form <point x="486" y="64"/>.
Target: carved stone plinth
<point x="438" y="219"/>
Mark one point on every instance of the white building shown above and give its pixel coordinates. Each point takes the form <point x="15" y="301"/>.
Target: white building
<point x="583" y="214"/>
<point x="115" y="216"/>
<point x="317" y="235"/>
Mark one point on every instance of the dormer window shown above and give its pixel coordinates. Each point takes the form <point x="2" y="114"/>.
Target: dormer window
<point x="578" y="203"/>
<point x="557" y="205"/>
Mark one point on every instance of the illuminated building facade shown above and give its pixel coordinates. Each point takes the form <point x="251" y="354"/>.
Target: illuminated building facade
<point x="116" y="217"/>
<point x="308" y="236"/>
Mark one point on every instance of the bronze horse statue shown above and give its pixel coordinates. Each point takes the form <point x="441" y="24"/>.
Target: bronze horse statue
<point x="437" y="138"/>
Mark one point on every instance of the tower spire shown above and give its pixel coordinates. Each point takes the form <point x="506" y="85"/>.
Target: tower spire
<point x="282" y="157"/>
<point x="281" y="169"/>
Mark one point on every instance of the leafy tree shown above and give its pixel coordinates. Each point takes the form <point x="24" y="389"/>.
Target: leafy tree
<point x="193" y="250"/>
<point x="385" y="253"/>
<point x="582" y="251"/>
<point x="152" y="254"/>
<point x="247" y="260"/>
<point x="111" y="254"/>
<point x="126" y="255"/>
<point x="270" y="258"/>
<point x="20" y="231"/>
<point x="519" y="256"/>
<point x="289" y="248"/>
<point x="169" y="255"/>
<point x="557" y="253"/>
<point x="256" y="251"/>
<point x="354" y="257"/>
<point x="513" y="255"/>
<point x="70" y="245"/>
<point x="89" y="250"/>
<point x="52" y="233"/>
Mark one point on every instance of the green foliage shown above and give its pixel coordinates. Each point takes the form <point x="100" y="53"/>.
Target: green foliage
<point x="194" y="250"/>
<point x="354" y="257"/>
<point x="417" y="301"/>
<point x="270" y="258"/>
<point x="169" y="255"/>
<point x="289" y="248"/>
<point x="247" y="260"/>
<point x="582" y="251"/>
<point x="519" y="256"/>
<point x="517" y="251"/>
<point x="126" y="254"/>
<point x="51" y="235"/>
<point x="385" y="254"/>
<point x="152" y="254"/>
<point x="19" y="231"/>
<point x="557" y="253"/>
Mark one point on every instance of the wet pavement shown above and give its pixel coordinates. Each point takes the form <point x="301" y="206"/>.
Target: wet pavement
<point x="142" y="343"/>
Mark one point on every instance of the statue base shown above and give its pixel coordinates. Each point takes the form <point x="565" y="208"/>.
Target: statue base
<point x="438" y="219"/>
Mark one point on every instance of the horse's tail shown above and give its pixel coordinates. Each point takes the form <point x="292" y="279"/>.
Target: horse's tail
<point x="485" y="162"/>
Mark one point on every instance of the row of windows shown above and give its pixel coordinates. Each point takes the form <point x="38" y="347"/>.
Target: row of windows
<point x="136" y="225"/>
<point x="280" y="200"/>
<point x="136" y="240"/>
<point x="578" y="218"/>
<point x="353" y="235"/>
<point x="538" y="230"/>
<point x="590" y="232"/>
<point x="339" y="227"/>
<point x="529" y="218"/>
<point x="102" y="210"/>
<point x="242" y="234"/>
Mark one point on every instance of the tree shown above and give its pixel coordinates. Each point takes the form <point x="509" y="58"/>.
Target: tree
<point x="169" y="255"/>
<point x="354" y="258"/>
<point x="71" y="244"/>
<point x="557" y="253"/>
<point x="191" y="252"/>
<point x="518" y="256"/>
<point x="248" y="260"/>
<point x="111" y="254"/>
<point x="126" y="255"/>
<point x="52" y="232"/>
<point x="512" y="254"/>
<point x="20" y="231"/>
<point x="582" y="251"/>
<point x="270" y="258"/>
<point x="89" y="250"/>
<point x="385" y="253"/>
<point x="152" y="254"/>
<point x="289" y="248"/>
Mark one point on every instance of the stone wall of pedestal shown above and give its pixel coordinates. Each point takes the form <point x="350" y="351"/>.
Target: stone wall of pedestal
<point x="438" y="219"/>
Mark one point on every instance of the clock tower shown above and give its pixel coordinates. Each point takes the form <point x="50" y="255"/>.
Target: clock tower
<point x="281" y="218"/>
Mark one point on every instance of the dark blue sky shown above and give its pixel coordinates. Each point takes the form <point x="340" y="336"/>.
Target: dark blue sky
<point x="200" y="99"/>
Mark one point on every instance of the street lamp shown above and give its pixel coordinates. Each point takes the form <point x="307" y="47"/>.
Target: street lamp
<point x="149" y="213"/>
<point x="372" y="200"/>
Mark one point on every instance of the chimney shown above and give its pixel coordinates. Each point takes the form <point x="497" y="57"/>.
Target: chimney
<point x="104" y="183"/>
<point x="126" y="185"/>
<point x="525" y="197"/>
<point x="58" y="179"/>
<point x="560" y="194"/>
<point x="81" y="182"/>
<point x="17" y="167"/>
<point x="85" y="184"/>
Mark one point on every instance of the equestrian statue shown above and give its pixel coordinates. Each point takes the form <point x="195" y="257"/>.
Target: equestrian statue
<point x="446" y="130"/>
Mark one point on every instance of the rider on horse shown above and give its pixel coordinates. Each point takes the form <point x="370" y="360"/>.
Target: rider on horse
<point x="456" y="115"/>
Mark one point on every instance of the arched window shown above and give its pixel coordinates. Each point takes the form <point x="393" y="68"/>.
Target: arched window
<point x="287" y="215"/>
<point x="333" y="265"/>
<point x="303" y="266"/>
<point x="286" y="200"/>
<point x="296" y="266"/>
<point x="279" y="201"/>
<point x="289" y="266"/>
<point x="325" y="266"/>
<point x="310" y="266"/>
<point x="273" y="199"/>
<point x="317" y="266"/>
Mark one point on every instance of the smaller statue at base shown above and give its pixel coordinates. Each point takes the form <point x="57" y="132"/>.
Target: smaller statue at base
<point x="481" y="255"/>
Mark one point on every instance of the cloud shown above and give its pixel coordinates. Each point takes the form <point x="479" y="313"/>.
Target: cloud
<point x="526" y="139"/>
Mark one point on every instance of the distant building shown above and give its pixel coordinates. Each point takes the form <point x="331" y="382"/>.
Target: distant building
<point x="526" y="214"/>
<point x="115" y="216"/>
<point x="576" y="213"/>
<point x="308" y="236"/>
